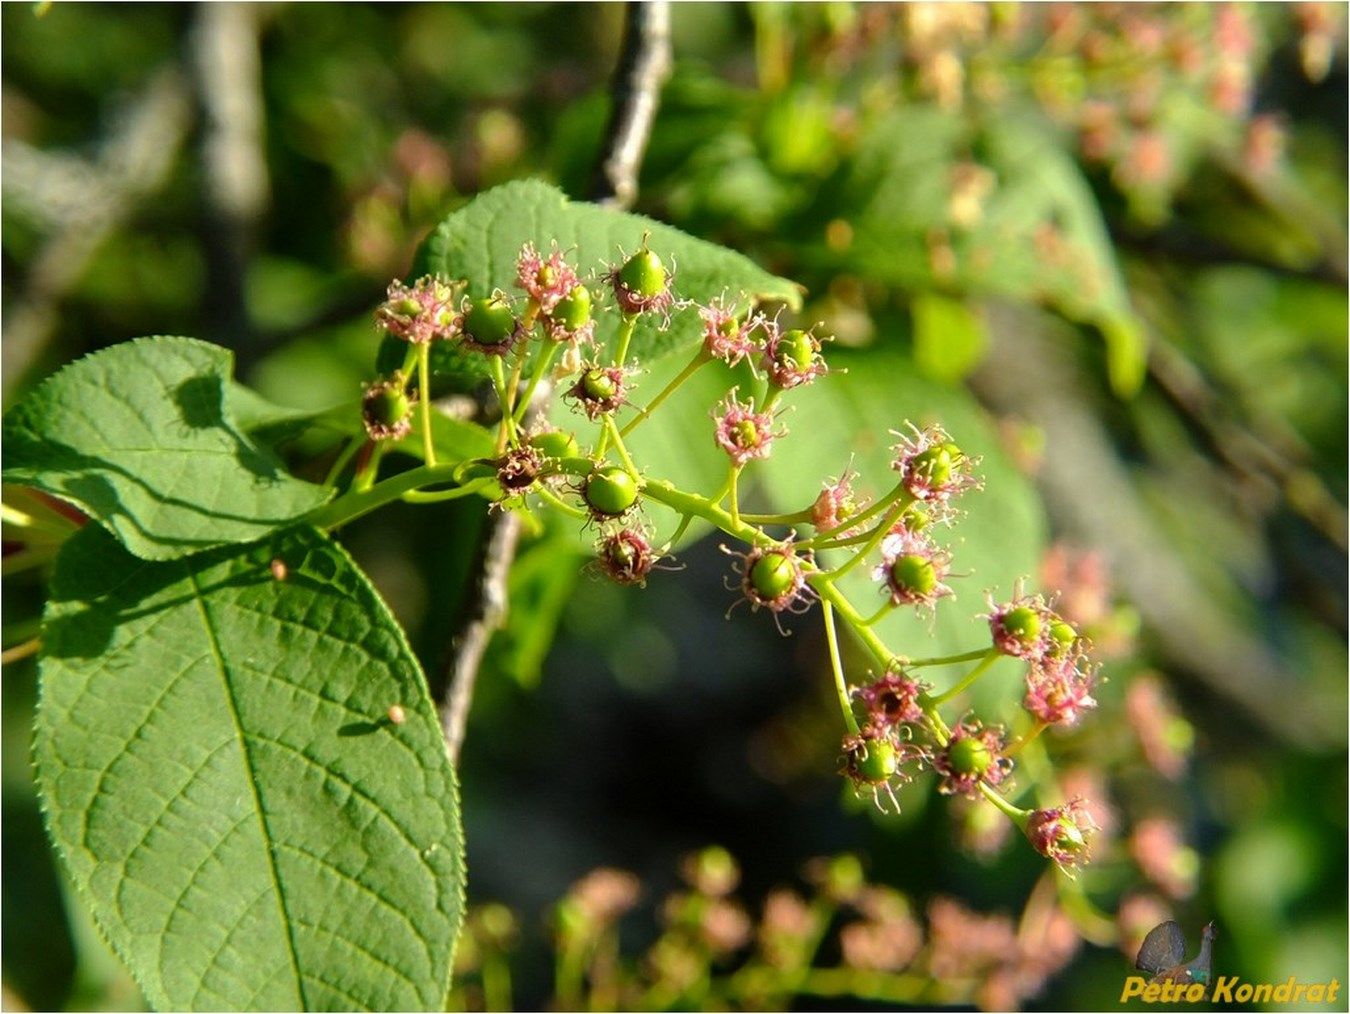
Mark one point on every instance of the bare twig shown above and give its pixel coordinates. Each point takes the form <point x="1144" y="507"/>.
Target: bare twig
<point x="226" y="67"/>
<point x="483" y="614"/>
<point x="643" y="65"/>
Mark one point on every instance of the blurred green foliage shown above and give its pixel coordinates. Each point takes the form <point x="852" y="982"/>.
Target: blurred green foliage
<point x="1141" y="208"/>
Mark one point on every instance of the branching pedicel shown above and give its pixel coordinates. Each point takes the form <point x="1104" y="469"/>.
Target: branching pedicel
<point x="894" y="723"/>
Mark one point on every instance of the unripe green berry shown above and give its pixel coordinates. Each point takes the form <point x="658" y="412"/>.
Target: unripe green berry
<point x="555" y="444"/>
<point x="408" y="307"/>
<point x="610" y="490"/>
<point x="914" y="574"/>
<point x="1022" y="623"/>
<point x="489" y="321"/>
<point x="388" y="407"/>
<point x="573" y="311"/>
<point x="935" y="464"/>
<point x="876" y="761"/>
<point x="729" y="327"/>
<point x="796" y="350"/>
<point x="917" y="519"/>
<point x="598" y="385"/>
<point x="1062" y="633"/>
<point x="969" y="756"/>
<point x="644" y="274"/>
<point x="773" y="575"/>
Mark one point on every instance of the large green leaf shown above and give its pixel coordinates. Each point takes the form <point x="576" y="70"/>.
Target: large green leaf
<point x="1037" y="234"/>
<point x="143" y="437"/>
<point x="847" y="417"/>
<point x="230" y="797"/>
<point x="482" y="241"/>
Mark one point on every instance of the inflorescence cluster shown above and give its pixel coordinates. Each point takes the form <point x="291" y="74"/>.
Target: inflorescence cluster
<point x="893" y="722"/>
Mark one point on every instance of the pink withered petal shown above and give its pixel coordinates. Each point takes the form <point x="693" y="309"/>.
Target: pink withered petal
<point x="835" y="504"/>
<point x="931" y="467"/>
<point x="891" y="700"/>
<point x="419" y="313"/>
<point x="1059" y="689"/>
<point x="1063" y="833"/>
<point x="726" y="336"/>
<point x="744" y="434"/>
<point x="545" y="279"/>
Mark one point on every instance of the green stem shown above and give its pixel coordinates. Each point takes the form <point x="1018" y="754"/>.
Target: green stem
<point x="550" y="497"/>
<point x="880" y="532"/>
<point x="872" y="620"/>
<point x="369" y="470"/>
<point x="770" y="396"/>
<point x="513" y="388"/>
<point x="1016" y="815"/>
<point x="1029" y="737"/>
<point x="827" y="591"/>
<point x="541" y="366"/>
<point x="625" y="338"/>
<point x="619" y="447"/>
<point x="840" y="684"/>
<point x="852" y="540"/>
<point x="689" y="503"/>
<point x="362" y="501"/>
<point x="825" y="534"/>
<point x="424" y="397"/>
<point x="699" y="359"/>
<point x="684" y="524"/>
<point x="570" y="466"/>
<point x="777" y="519"/>
<point x="733" y="482"/>
<point x="508" y="430"/>
<point x="967" y="656"/>
<point x="990" y="657"/>
<point x="341" y="461"/>
<point x="439" y="496"/>
<point x="941" y="734"/>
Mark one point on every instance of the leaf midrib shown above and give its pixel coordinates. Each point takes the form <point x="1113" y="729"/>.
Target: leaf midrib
<point x="219" y="656"/>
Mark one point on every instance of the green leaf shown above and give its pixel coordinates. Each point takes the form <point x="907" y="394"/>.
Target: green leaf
<point x="543" y="579"/>
<point x="454" y="439"/>
<point x="851" y="416"/>
<point x="142" y="436"/>
<point x="1036" y="233"/>
<point x="482" y="240"/>
<point x="222" y="780"/>
<point x="949" y="337"/>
